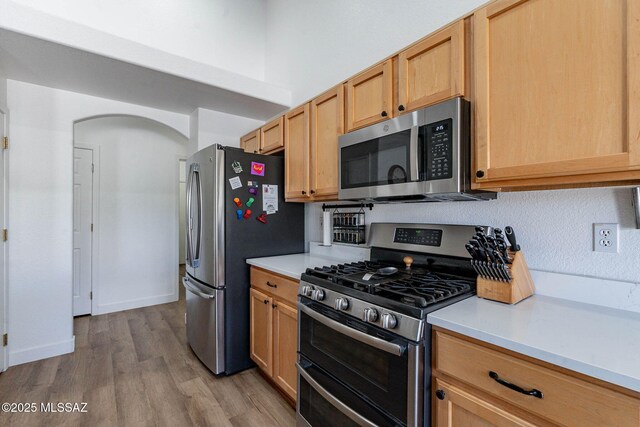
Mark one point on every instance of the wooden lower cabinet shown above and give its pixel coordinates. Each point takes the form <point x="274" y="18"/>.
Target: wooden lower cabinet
<point x="475" y="384"/>
<point x="459" y="406"/>
<point x="274" y="328"/>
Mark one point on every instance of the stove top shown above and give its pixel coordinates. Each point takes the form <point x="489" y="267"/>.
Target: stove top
<point x="417" y="288"/>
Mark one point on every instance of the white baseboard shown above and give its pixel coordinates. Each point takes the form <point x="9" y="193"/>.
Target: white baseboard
<point x="41" y="352"/>
<point x="136" y="303"/>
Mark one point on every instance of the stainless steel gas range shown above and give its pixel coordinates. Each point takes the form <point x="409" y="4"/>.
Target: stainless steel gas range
<point x="364" y="344"/>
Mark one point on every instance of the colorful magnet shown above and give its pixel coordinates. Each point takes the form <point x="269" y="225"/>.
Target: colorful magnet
<point x="247" y="214"/>
<point x="237" y="201"/>
<point x="235" y="182"/>
<point x="250" y="201"/>
<point x="262" y="217"/>
<point x="239" y="213"/>
<point x="257" y="168"/>
<point x="253" y="191"/>
<point x="237" y="167"/>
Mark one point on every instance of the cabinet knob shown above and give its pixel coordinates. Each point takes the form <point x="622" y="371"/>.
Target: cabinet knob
<point x="440" y="394"/>
<point x="479" y="173"/>
<point x="304" y="192"/>
<point x="313" y="191"/>
<point x="400" y="107"/>
<point x="274" y="305"/>
<point x="255" y="152"/>
<point x="383" y="114"/>
<point x="266" y="301"/>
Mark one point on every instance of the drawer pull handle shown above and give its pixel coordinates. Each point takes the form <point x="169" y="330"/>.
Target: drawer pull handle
<point x="533" y="392"/>
<point x="271" y="285"/>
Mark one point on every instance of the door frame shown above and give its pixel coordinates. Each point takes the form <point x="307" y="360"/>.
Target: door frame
<point x="95" y="192"/>
<point x="4" y="276"/>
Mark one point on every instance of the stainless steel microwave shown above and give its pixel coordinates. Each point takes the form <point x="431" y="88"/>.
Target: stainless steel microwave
<point x="420" y="156"/>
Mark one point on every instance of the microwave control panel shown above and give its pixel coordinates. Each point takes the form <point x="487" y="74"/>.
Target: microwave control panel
<point x="439" y="148"/>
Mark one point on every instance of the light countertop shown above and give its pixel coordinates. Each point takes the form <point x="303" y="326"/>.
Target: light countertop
<point x="597" y="341"/>
<point x="293" y="265"/>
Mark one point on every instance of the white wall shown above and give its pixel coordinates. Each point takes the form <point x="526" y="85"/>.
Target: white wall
<point x="554" y="228"/>
<point x="137" y="222"/>
<point x="312" y="45"/>
<point x="213" y="127"/>
<point x="228" y="34"/>
<point x="40" y="212"/>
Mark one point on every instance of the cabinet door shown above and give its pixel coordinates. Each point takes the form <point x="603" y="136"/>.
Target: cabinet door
<point x="461" y="407"/>
<point x="557" y="88"/>
<point x="369" y="96"/>
<point x="296" y="154"/>
<point x="250" y="143"/>
<point x="272" y="136"/>
<point x="285" y="339"/>
<point x="261" y="331"/>
<point x="327" y="124"/>
<point x="432" y="70"/>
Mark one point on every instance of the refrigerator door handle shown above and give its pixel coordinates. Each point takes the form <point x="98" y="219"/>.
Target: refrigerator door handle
<point x="189" y="224"/>
<point x="196" y="174"/>
<point x="192" y="288"/>
<point x="193" y="254"/>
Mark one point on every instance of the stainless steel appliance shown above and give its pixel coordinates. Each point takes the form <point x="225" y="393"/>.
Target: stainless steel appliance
<point x="220" y="236"/>
<point x="423" y="156"/>
<point x="364" y="343"/>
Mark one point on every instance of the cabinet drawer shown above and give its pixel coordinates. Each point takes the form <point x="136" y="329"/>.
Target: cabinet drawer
<point x="277" y="285"/>
<point x="565" y="400"/>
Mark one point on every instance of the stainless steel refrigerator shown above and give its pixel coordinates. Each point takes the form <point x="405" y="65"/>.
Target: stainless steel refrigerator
<point x="221" y="234"/>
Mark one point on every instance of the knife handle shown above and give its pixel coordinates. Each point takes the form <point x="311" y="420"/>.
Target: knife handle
<point x="511" y="235"/>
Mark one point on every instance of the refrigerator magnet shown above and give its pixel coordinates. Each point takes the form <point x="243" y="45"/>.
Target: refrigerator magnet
<point x="270" y="198"/>
<point x="235" y="182"/>
<point x="257" y="168"/>
<point x="262" y="217"/>
<point x="237" y="167"/>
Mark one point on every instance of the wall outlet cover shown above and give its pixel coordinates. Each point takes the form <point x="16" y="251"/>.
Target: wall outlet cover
<point x="605" y="237"/>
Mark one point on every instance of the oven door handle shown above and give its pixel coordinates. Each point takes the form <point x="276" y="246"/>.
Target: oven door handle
<point x="353" y="415"/>
<point x="378" y="343"/>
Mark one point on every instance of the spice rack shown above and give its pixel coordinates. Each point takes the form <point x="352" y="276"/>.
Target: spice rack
<point x="349" y="227"/>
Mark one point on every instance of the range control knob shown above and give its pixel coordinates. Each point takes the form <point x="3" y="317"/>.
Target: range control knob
<point x="341" y="304"/>
<point x="389" y="321"/>
<point x="317" y="295"/>
<point x="370" y="315"/>
<point x="305" y="291"/>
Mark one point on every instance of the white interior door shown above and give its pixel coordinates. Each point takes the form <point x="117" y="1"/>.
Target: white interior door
<point x="3" y="287"/>
<point x="183" y="202"/>
<point x="82" y="229"/>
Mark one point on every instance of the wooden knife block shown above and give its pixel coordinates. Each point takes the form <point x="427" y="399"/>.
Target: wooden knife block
<point x="520" y="287"/>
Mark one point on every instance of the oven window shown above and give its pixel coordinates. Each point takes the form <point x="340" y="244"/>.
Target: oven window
<point x="372" y="365"/>
<point x="379" y="161"/>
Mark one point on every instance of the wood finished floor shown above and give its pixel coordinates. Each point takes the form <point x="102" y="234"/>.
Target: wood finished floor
<point x="134" y="368"/>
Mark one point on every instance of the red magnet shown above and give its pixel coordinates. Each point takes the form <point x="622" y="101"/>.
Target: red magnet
<point x="262" y="218"/>
<point x="247" y="213"/>
<point x="237" y="202"/>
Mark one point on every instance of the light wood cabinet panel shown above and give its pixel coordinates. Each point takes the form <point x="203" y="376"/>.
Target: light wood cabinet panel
<point x="369" y="96"/>
<point x="275" y="284"/>
<point x="565" y="400"/>
<point x="272" y="136"/>
<point x="327" y="124"/>
<point x="556" y="88"/>
<point x="461" y="407"/>
<point x="296" y="155"/>
<point x="250" y="143"/>
<point x="432" y="70"/>
<point x="261" y="331"/>
<point x="285" y="339"/>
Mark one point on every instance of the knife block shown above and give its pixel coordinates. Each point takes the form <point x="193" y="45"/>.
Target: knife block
<point x="520" y="287"/>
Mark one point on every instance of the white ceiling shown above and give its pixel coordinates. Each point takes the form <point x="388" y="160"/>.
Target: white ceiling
<point x="42" y="49"/>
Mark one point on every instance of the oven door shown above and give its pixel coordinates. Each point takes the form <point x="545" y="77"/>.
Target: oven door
<point x="379" y="158"/>
<point x="381" y="367"/>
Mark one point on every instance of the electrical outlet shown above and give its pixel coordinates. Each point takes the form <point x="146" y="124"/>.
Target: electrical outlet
<point x="605" y="238"/>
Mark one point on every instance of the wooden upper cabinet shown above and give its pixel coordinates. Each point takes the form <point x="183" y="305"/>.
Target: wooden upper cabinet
<point x="296" y="155"/>
<point x="369" y="96"/>
<point x="272" y="136"/>
<point x="432" y="70"/>
<point x="327" y="124"/>
<point x="250" y="143"/>
<point x="557" y="91"/>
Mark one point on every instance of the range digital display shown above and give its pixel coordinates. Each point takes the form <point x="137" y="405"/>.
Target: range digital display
<point x="418" y="236"/>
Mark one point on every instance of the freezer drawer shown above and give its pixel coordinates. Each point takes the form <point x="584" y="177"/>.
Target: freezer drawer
<point x="205" y="324"/>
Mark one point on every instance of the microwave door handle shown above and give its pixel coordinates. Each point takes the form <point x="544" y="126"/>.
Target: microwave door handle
<point x="378" y="343"/>
<point x="353" y="415"/>
<point x="414" y="171"/>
